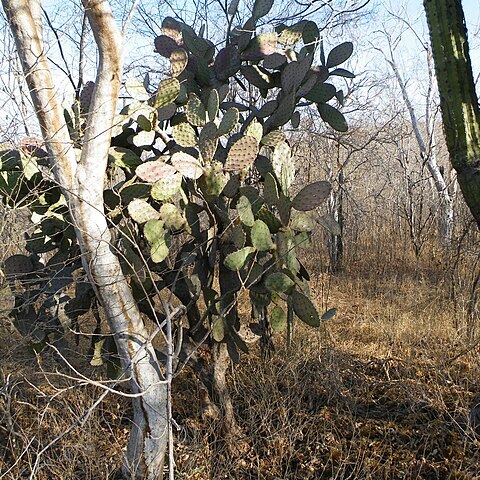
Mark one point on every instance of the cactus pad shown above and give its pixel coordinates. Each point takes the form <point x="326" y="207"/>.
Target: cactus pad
<point x="171" y="216"/>
<point x="304" y="309"/>
<point x="208" y="141"/>
<point x="278" y="319"/>
<point x="311" y="196"/>
<point x="333" y="117"/>
<point x="167" y="92"/>
<point x="178" y="61"/>
<point x="279" y="282"/>
<point x="17" y="265"/>
<point x="227" y="62"/>
<point x="166" y="187"/>
<point x="154" y="170"/>
<point x="229" y="121"/>
<point x="242" y="154"/>
<point x="301" y="222"/>
<point x="187" y="165"/>
<point x="196" y="113"/>
<point x="261" y="237"/>
<point x="236" y="260"/>
<point x="245" y="213"/>
<point x="165" y="46"/>
<point x="341" y="53"/>
<point x="141" y="211"/>
<point x="184" y="134"/>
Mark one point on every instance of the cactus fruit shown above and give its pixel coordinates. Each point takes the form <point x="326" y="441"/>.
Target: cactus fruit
<point x="236" y="260"/>
<point x="333" y="117"/>
<point x="187" y="165"/>
<point x="141" y="211"/>
<point x="304" y="309"/>
<point x="261" y="237"/>
<point x="311" y="196"/>
<point x="339" y="54"/>
<point x="154" y="170"/>
<point x="242" y="154"/>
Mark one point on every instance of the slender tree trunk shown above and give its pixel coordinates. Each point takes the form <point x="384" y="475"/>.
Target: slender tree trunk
<point x="458" y="98"/>
<point x="445" y="201"/>
<point x="82" y="184"/>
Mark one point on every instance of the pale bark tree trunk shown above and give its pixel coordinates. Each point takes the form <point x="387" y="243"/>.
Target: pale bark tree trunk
<point x="83" y="185"/>
<point x="428" y="154"/>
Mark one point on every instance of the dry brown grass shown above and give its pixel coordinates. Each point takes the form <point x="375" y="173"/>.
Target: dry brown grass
<point x="382" y="392"/>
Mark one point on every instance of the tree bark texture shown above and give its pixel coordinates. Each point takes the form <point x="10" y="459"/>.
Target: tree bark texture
<point x="458" y="98"/>
<point x="82" y="183"/>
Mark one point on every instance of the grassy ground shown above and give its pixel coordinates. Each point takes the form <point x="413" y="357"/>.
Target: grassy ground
<point x="382" y="392"/>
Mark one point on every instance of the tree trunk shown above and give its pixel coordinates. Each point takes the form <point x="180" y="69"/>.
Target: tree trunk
<point x="445" y="201"/>
<point x="83" y="184"/>
<point x="458" y="98"/>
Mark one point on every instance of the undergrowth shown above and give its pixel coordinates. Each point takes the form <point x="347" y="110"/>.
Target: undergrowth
<point x="382" y="391"/>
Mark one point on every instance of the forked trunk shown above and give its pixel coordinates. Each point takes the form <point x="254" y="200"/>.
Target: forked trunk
<point x="82" y="183"/>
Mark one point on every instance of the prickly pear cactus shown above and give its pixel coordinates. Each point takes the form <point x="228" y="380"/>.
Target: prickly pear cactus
<point x="202" y="194"/>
